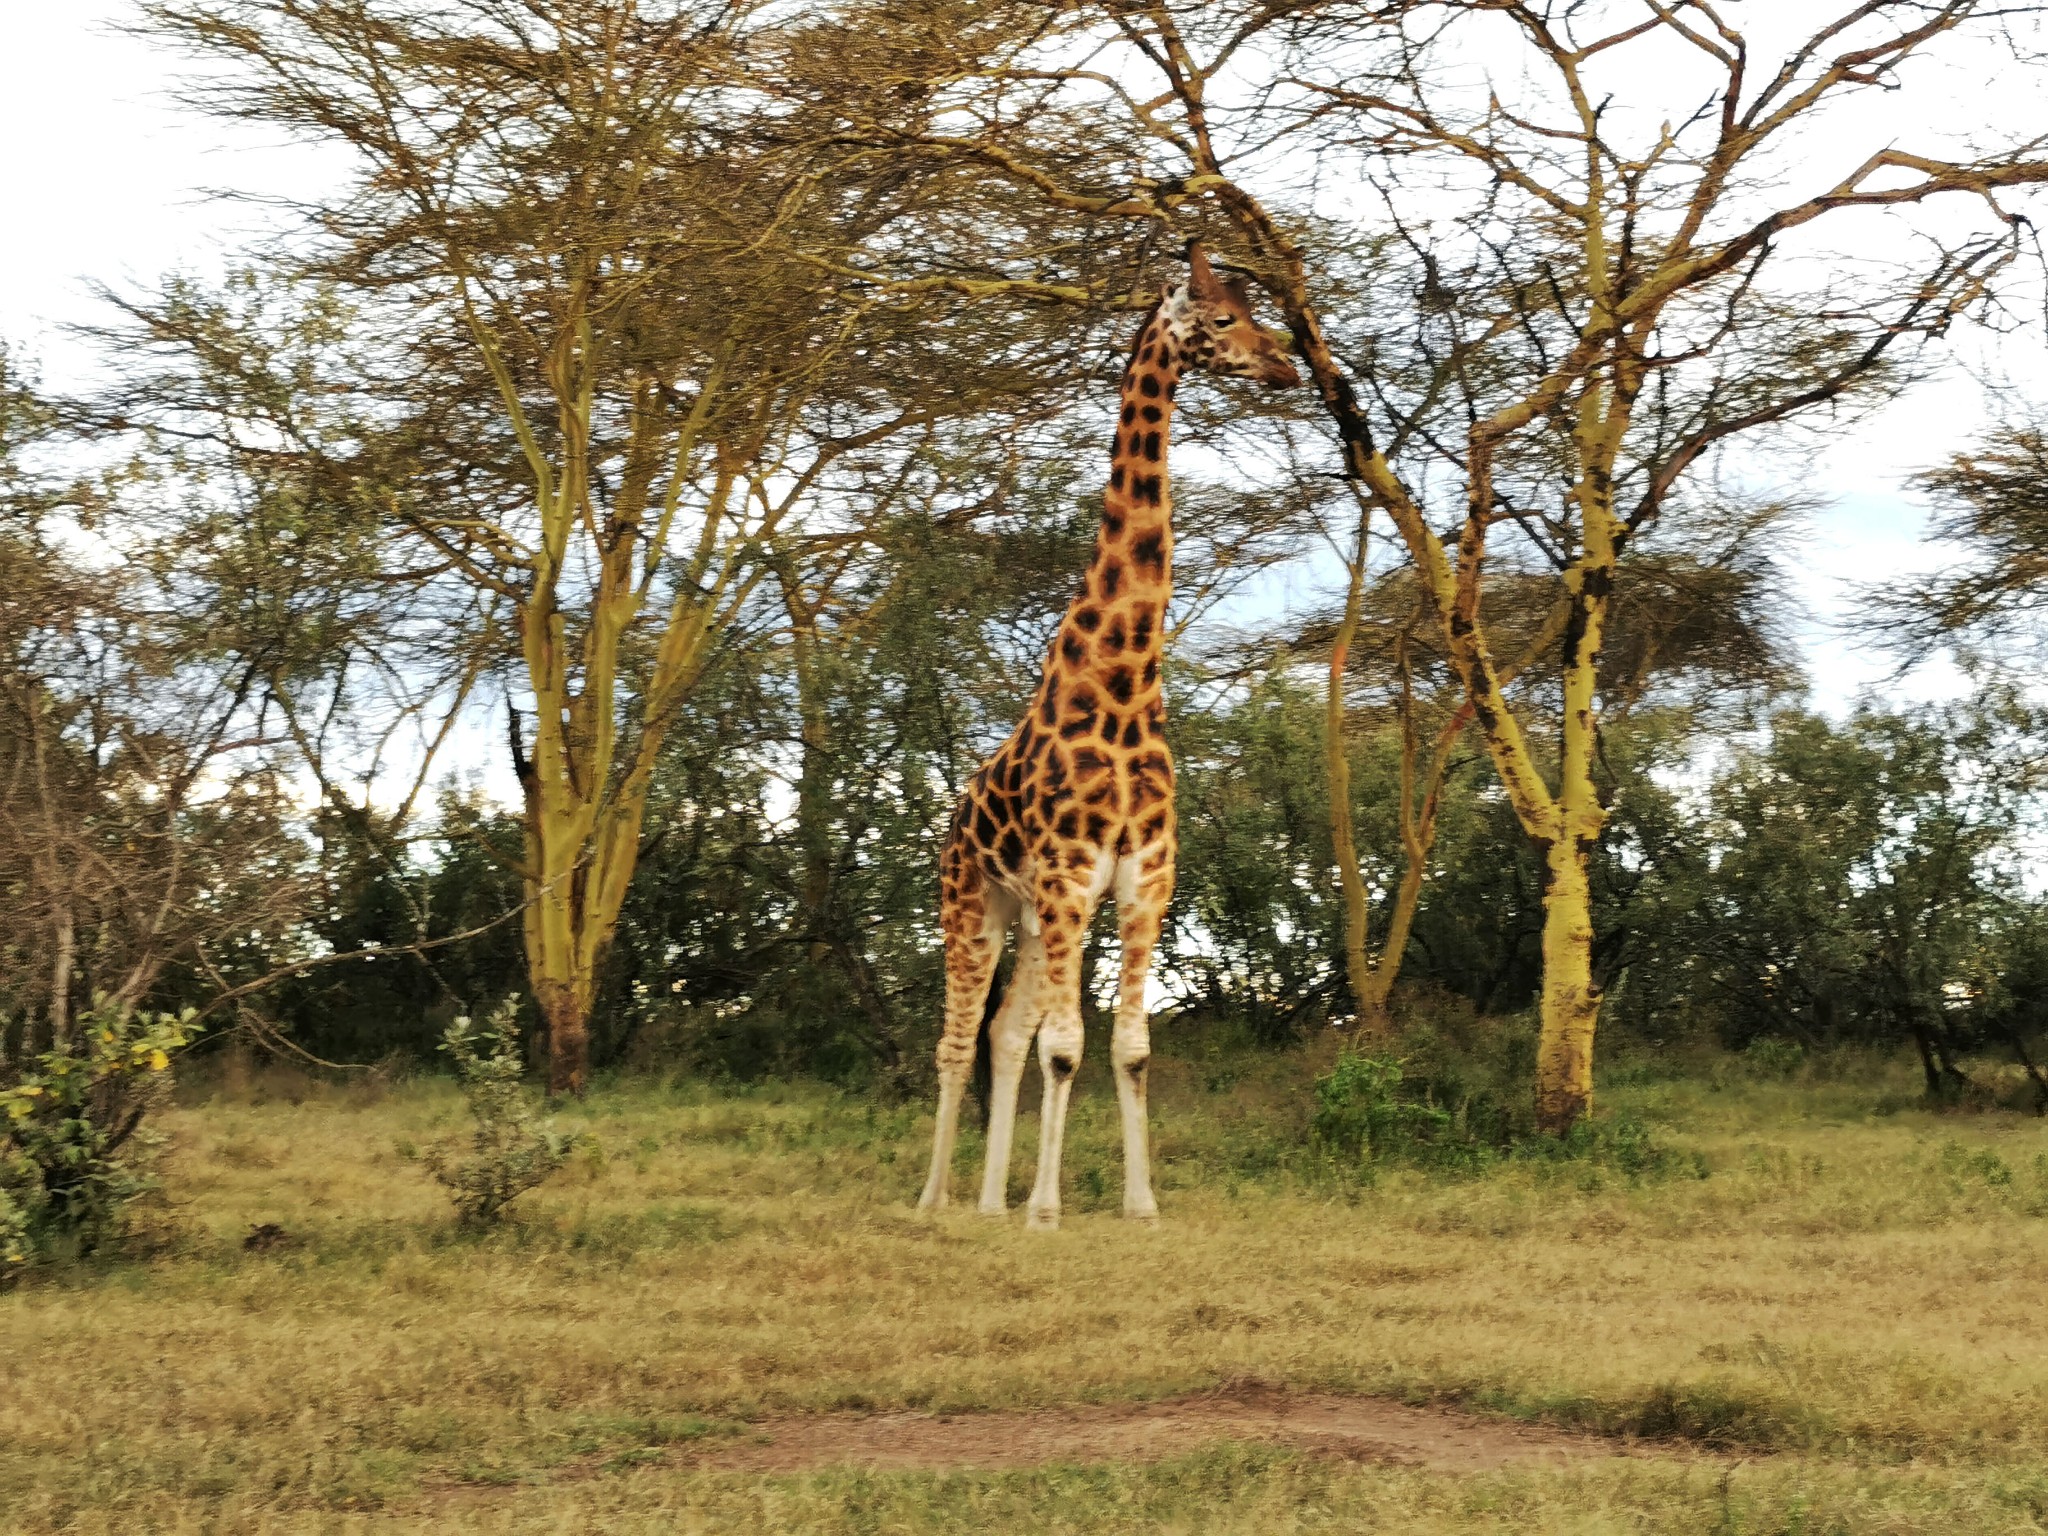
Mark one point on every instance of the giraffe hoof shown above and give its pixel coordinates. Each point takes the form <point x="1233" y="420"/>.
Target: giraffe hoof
<point x="1149" y="1214"/>
<point x="1042" y="1221"/>
<point x="994" y="1212"/>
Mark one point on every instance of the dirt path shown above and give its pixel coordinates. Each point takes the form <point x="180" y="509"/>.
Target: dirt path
<point x="1355" y="1428"/>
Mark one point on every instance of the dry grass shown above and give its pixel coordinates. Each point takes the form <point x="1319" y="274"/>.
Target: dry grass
<point x="1849" y="1305"/>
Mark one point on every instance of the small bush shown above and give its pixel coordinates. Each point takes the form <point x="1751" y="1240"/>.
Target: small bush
<point x="74" y="1154"/>
<point x="14" y="1235"/>
<point x="512" y="1149"/>
<point x="1362" y="1117"/>
<point x="1768" y="1056"/>
<point x="1624" y="1144"/>
<point x="1369" y="1112"/>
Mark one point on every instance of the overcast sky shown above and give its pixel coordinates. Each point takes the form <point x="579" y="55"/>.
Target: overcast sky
<point x="107" y="176"/>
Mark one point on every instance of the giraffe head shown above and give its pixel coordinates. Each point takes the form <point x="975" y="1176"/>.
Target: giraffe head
<point x="1212" y="320"/>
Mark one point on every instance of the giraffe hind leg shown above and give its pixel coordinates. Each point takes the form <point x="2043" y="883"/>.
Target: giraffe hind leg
<point x="974" y="915"/>
<point x="1058" y="1009"/>
<point x="1009" y="1043"/>
<point x="1141" y="909"/>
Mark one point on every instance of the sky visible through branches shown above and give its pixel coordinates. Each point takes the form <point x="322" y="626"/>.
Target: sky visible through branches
<point x="112" y="177"/>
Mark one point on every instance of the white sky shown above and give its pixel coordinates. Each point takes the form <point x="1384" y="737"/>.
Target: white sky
<point x="106" y="181"/>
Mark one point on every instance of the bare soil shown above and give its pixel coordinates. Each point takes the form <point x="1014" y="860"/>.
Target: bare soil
<point x="1353" y="1428"/>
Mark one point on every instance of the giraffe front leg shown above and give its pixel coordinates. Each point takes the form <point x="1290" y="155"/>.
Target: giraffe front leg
<point x="1141" y="909"/>
<point x="952" y="1088"/>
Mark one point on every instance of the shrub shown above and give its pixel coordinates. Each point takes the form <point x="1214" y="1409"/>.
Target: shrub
<point x="1369" y="1112"/>
<point x="1361" y="1116"/>
<point x="1625" y="1144"/>
<point x="512" y="1149"/>
<point x="74" y="1155"/>
<point x="14" y="1235"/>
<point x="1770" y="1056"/>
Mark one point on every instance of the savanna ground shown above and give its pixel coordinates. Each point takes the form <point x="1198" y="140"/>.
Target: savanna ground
<point x="1823" y="1310"/>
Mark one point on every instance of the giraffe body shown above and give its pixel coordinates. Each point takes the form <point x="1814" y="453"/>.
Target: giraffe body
<point x="1078" y="803"/>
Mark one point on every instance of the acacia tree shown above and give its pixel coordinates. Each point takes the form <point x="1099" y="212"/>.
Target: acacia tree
<point x="1602" y="287"/>
<point x="618" y="336"/>
<point x="1991" y="506"/>
<point x="143" y="818"/>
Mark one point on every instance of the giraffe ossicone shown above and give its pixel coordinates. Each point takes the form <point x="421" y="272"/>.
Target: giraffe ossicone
<point x="1078" y="803"/>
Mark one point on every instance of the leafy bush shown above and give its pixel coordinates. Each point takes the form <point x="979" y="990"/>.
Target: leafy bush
<point x="14" y="1235"/>
<point x="1362" y="1117"/>
<point x="73" y="1152"/>
<point x="1769" y="1056"/>
<point x="512" y="1149"/>
<point x="1369" y="1112"/>
<point x="1625" y="1144"/>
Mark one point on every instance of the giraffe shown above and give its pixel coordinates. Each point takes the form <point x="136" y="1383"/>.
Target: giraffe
<point x="1079" y="800"/>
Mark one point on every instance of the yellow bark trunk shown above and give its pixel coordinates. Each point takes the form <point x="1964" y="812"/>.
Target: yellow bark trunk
<point x="1570" y="1006"/>
<point x="587" y="777"/>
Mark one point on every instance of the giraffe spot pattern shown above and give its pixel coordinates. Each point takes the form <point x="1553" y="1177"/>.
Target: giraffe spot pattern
<point x="1087" y="772"/>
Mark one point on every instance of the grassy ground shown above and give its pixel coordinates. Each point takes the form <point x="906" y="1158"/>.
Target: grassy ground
<point x="1841" y="1322"/>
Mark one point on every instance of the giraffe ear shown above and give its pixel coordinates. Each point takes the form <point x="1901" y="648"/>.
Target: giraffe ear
<point x="1201" y="279"/>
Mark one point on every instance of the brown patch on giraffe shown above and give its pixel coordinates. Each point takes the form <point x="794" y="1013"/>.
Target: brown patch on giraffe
<point x="1141" y="626"/>
<point x="1148" y="553"/>
<point x="1086" y="775"/>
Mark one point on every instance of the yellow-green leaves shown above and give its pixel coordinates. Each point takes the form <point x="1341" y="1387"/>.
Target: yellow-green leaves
<point x="72" y="1154"/>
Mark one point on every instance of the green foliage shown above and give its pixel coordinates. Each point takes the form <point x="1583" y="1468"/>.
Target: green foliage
<point x="73" y="1152"/>
<point x="512" y="1148"/>
<point x="15" y="1233"/>
<point x="1370" y="1112"/>
<point x="1255" y="932"/>
<point x="1624" y="1143"/>
<point x="1769" y="1056"/>
<point x="1856" y="882"/>
<point x="1361" y="1115"/>
<point x="381" y="895"/>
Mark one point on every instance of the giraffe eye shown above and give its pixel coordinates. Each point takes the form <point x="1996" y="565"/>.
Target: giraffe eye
<point x="1225" y="322"/>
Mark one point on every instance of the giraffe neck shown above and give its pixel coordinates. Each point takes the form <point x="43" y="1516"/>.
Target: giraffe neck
<point x="1114" y="626"/>
<point x="1137" y="504"/>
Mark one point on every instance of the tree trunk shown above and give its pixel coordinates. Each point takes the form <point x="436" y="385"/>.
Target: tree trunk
<point x="1571" y="1000"/>
<point x="567" y="1017"/>
<point x="1418" y="834"/>
<point x="1369" y="1001"/>
<point x="814" y="805"/>
<point x="2019" y="1049"/>
<point x="60" y="979"/>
